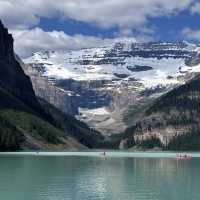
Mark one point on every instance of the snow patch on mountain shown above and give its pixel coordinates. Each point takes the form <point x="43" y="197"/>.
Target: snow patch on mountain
<point x="96" y="64"/>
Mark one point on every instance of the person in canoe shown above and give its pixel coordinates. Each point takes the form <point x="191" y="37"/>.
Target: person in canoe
<point x="183" y="157"/>
<point x="103" y="154"/>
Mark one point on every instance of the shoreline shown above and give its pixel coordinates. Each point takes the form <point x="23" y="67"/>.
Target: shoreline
<point x="112" y="154"/>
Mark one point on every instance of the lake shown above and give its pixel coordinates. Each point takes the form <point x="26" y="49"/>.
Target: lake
<point x="90" y="176"/>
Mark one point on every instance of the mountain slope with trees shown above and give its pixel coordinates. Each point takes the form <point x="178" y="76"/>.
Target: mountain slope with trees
<point x="25" y="121"/>
<point x="172" y="122"/>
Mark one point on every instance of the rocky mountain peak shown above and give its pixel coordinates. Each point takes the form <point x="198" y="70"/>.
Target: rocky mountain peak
<point x="12" y="76"/>
<point x="6" y="44"/>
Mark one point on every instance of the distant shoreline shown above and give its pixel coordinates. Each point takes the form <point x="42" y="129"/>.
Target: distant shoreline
<point x="112" y="154"/>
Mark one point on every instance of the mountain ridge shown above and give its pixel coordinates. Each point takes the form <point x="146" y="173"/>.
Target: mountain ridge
<point x="104" y="84"/>
<point x="26" y="121"/>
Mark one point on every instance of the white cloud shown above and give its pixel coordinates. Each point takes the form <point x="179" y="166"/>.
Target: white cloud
<point x="105" y="13"/>
<point x="195" y="9"/>
<point x="29" y="41"/>
<point x="130" y="16"/>
<point x="191" y="34"/>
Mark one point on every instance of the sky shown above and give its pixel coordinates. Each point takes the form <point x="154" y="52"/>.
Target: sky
<point x="75" y="24"/>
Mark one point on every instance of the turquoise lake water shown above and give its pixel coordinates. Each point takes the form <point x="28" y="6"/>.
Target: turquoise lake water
<point x="118" y="176"/>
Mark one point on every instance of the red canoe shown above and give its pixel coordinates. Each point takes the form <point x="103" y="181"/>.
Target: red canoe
<point x="183" y="157"/>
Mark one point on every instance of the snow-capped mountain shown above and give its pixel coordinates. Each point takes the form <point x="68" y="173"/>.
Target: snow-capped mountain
<point x="106" y="83"/>
<point x="149" y="63"/>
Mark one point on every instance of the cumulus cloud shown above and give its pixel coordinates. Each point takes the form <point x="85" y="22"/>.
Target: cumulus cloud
<point x="195" y="9"/>
<point x="105" y="13"/>
<point x="29" y="41"/>
<point x="191" y="34"/>
<point x="129" y="16"/>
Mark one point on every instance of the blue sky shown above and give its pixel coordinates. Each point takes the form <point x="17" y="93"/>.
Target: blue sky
<point x="73" y="27"/>
<point x="168" y="28"/>
<point x="75" y="24"/>
<point x="165" y="28"/>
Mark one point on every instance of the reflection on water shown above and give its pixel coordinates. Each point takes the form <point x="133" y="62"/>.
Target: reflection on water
<point x="93" y="178"/>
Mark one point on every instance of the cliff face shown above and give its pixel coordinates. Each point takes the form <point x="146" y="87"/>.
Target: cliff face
<point x="12" y="77"/>
<point x="45" y="90"/>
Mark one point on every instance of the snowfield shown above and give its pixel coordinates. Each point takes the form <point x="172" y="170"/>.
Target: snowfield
<point x="68" y="65"/>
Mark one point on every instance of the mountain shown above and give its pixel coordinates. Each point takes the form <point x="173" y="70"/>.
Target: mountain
<point x="46" y="90"/>
<point x="12" y="77"/>
<point x="138" y="95"/>
<point x="172" y="122"/>
<point x="48" y="95"/>
<point x="27" y="121"/>
<point x="110" y="87"/>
